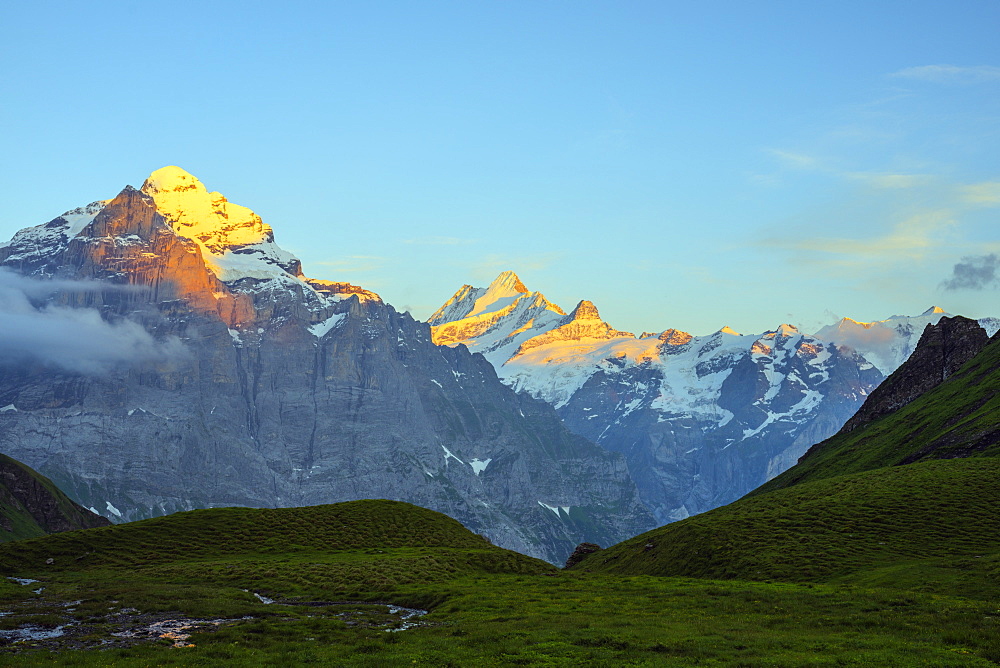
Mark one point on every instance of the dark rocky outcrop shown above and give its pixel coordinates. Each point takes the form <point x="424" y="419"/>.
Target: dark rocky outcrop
<point x="941" y="351"/>
<point x="582" y="551"/>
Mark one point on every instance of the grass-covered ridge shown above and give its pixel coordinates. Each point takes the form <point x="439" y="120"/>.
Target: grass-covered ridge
<point x="940" y="518"/>
<point x="203" y="536"/>
<point x="958" y="418"/>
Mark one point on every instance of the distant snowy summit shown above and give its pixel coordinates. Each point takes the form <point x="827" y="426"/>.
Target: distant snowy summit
<point x="888" y="343"/>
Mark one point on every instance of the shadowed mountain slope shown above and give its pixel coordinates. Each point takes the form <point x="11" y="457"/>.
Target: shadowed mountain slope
<point x="31" y="505"/>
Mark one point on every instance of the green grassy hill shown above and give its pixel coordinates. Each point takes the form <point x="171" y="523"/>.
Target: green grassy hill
<point x="413" y="543"/>
<point x="294" y="587"/>
<point x="935" y="525"/>
<point x="31" y="505"/>
<point x="958" y="418"/>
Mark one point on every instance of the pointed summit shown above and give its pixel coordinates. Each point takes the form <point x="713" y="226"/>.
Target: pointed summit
<point x="507" y="282"/>
<point x="585" y="310"/>
<point x="934" y="310"/>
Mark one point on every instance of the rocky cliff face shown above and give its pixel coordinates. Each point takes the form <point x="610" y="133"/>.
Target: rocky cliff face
<point x="30" y="505"/>
<point x="278" y="390"/>
<point x="941" y="351"/>
<point x="700" y="420"/>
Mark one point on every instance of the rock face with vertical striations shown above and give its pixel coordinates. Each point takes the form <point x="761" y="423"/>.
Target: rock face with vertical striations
<point x="258" y="386"/>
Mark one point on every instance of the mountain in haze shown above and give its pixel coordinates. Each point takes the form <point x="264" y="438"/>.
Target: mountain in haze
<point x="888" y="343"/>
<point x="165" y="354"/>
<point x="701" y="420"/>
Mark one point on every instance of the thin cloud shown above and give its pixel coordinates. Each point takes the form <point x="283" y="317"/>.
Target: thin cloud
<point x="909" y="239"/>
<point x="974" y="272"/>
<point x="355" y="263"/>
<point x="488" y="267"/>
<point x="439" y="241"/>
<point x="985" y="194"/>
<point x="948" y="74"/>
<point x="78" y="340"/>
<point x="796" y="160"/>
<point x="892" y="181"/>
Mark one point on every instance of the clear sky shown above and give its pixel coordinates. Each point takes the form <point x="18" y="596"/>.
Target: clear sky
<point x="680" y="164"/>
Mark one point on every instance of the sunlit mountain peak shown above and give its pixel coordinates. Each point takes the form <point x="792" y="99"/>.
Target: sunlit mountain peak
<point x="729" y="330"/>
<point x="508" y="281"/>
<point x="585" y="310"/>
<point x="171" y="179"/>
<point x="786" y="330"/>
<point x="219" y="227"/>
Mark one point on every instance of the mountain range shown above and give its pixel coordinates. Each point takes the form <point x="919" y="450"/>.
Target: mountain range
<point x="904" y="496"/>
<point x="880" y="547"/>
<point x="701" y="420"/>
<point x="165" y="354"/>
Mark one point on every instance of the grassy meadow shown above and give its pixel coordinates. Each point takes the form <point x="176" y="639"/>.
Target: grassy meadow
<point x="330" y="570"/>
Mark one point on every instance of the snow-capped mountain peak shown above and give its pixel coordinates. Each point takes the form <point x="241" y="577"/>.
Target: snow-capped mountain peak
<point x="506" y="284"/>
<point x="235" y="242"/>
<point x="934" y="310"/>
<point x="217" y="256"/>
<point x="674" y="337"/>
<point x="494" y="320"/>
<point x="787" y="330"/>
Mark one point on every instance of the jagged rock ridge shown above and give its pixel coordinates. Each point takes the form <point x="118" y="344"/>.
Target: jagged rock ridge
<point x="291" y="391"/>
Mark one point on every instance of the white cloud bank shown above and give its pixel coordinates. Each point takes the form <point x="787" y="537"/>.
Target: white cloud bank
<point x="73" y="339"/>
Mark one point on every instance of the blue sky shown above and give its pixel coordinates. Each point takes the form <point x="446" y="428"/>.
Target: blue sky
<point x="687" y="165"/>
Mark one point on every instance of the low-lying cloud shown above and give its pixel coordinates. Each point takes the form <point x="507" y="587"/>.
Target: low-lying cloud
<point x="73" y="339"/>
<point x="974" y="272"/>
